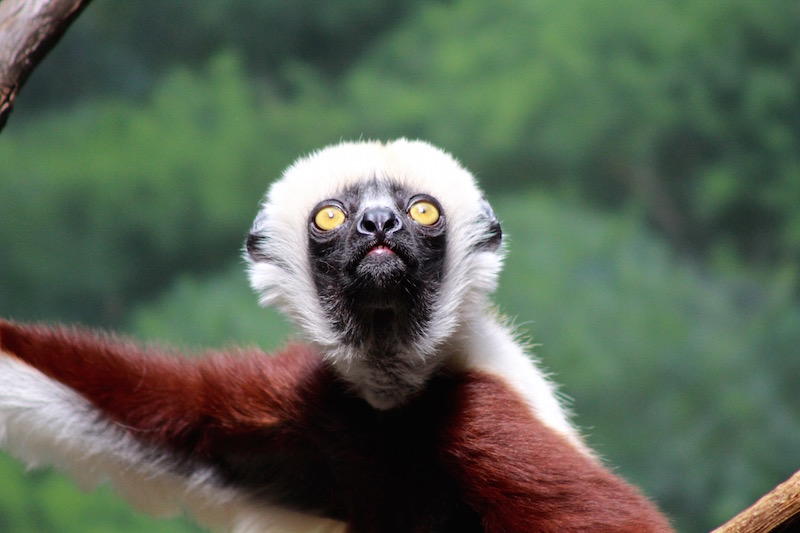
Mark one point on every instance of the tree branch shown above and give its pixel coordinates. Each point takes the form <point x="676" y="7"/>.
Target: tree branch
<point x="775" y="512"/>
<point x="28" y="31"/>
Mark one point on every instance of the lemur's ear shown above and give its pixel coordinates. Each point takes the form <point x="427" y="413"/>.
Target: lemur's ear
<point x="256" y="240"/>
<point x="494" y="233"/>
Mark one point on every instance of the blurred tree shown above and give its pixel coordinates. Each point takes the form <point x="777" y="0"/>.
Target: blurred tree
<point x="690" y="110"/>
<point x="126" y="47"/>
<point x="214" y="312"/>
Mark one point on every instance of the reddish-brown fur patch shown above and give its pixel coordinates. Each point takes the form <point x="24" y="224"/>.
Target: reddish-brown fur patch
<point x="521" y="476"/>
<point x="466" y="455"/>
<point x="159" y="395"/>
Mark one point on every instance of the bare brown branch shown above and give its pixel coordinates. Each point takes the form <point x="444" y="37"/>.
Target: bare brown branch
<point x="28" y="31"/>
<point x="779" y="510"/>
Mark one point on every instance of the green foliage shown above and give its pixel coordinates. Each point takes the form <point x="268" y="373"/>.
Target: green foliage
<point x="217" y="312"/>
<point x="683" y="110"/>
<point x="109" y="202"/>
<point x="143" y="40"/>
<point x="269" y="33"/>
<point x="689" y="109"/>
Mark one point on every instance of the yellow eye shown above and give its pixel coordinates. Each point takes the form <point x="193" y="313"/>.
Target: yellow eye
<point x="329" y="217"/>
<point x="424" y="213"/>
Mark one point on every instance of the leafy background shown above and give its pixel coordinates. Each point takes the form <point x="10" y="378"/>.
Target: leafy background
<point x="644" y="158"/>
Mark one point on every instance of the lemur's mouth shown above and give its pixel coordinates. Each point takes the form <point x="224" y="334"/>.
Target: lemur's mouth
<point x="381" y="250"/>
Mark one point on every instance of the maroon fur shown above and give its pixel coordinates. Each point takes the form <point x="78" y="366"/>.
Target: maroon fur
<point x="466" y="455"/>
<point x="521" y="476"/>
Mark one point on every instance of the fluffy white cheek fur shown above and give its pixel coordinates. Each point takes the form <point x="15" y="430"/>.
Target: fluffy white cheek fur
<point x="47" y="424"/>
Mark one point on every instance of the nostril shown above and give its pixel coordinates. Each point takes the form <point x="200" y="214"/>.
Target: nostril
<point x="393" y="224"/>
<point x="367" y="226"/>
<point x="379" y="221"/>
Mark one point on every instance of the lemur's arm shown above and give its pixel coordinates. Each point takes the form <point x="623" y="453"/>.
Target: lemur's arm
<point x="160" y="425"/>
<point x="520" y="475"/>
<point x="162" y="398"/>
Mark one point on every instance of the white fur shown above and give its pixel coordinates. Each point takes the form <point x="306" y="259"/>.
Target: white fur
<point x="464" y="333"/>
<point x="47" y="424"/>
<point x="489" y="346"/>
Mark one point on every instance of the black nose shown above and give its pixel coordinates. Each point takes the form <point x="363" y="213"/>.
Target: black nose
<point x="379" y="222"/>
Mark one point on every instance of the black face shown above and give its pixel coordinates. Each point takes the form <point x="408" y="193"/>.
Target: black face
<point x="378" y="268"/>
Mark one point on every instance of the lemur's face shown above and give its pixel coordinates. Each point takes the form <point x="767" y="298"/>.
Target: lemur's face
<point x="377" y="254"/>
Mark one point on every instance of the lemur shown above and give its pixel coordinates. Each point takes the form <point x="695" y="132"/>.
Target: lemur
<point x="409" y="407"/>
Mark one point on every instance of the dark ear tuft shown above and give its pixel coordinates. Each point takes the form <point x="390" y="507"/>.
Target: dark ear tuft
<point x="254" y="247"/>
<point x="494" y="233"/>
<point x="256" y="240"/>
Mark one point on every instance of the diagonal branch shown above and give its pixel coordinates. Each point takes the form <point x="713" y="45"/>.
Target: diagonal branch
<point x="28" y="31"/>
<point x="778" y="511"/>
